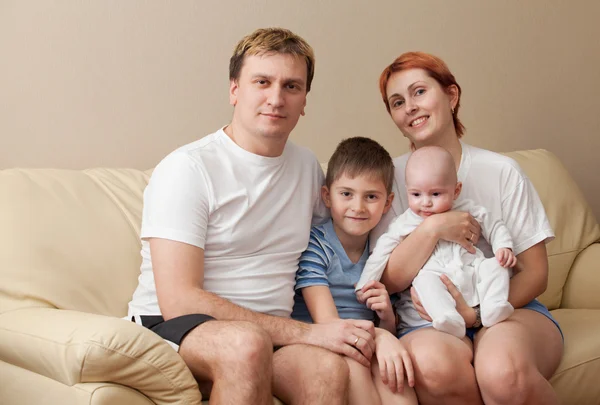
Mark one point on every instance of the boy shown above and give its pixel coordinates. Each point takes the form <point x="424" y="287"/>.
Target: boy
<point x="433" y="188"/>
<point x="358" y="192"/>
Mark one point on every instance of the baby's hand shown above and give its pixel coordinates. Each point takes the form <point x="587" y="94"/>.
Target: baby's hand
<point x="506" y="257"/>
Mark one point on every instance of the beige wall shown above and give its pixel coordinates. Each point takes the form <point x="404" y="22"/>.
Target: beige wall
<point x="122" y="83"/>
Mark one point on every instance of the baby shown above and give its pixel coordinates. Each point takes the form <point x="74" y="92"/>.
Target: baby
<point x="433" y="188"/>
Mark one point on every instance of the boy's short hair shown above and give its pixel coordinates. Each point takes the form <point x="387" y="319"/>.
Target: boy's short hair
<point x="272" y="40"/>
<point x="360" y="155"/>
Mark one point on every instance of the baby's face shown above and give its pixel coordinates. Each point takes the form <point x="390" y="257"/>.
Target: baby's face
<point x="430" y="193"/>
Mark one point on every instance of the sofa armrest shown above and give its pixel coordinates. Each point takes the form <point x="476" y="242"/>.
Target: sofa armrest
<point x="74" y="347"/>
<point x="583" y="283"/>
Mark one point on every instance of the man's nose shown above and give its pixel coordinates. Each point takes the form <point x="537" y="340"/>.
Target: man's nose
<point x="275" y="97"/>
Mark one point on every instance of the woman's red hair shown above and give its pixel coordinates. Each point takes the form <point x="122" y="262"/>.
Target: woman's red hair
<point x="435" y="68"/>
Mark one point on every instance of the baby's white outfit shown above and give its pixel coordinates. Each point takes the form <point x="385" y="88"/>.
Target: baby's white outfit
<point x="480" y="280"/>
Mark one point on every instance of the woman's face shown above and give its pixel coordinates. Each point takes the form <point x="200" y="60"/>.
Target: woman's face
<point x="421" y="108"/>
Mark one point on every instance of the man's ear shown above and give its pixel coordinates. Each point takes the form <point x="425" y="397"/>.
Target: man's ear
<point x="302" y="113"/>
<point x="326" y="196"/>
<point x="388" y="202"/>
<point x="457" y="190"/>
<point x="233" y="92"/>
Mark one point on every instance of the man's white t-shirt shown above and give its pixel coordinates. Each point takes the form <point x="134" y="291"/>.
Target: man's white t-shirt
<point x="251" y="214"/>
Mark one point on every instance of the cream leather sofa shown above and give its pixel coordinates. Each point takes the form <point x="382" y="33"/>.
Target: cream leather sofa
<point x="69" y="261"/>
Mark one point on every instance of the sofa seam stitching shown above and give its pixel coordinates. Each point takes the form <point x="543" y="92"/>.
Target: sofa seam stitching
<point x="577" y="365"/>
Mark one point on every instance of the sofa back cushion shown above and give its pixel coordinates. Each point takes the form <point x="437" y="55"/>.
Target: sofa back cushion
<point x="70" y="239"/>
<point x="569" y="214"/>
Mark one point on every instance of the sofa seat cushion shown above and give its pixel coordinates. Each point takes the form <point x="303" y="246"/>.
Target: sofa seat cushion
<point x="73" y="348"/>
<point x="577" y="378"/>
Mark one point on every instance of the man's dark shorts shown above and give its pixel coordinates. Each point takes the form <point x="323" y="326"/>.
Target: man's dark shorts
<point x="174" y="330"/>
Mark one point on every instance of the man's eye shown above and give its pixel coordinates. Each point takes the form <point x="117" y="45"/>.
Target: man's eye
<point x="345" y="193"/>
<point x="371" y="197"/>
<point x="262" y="81"/>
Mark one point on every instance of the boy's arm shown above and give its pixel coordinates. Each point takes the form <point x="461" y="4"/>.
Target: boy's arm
<point x="320" y="304"/>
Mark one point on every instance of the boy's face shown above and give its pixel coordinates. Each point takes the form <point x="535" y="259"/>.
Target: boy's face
<point x="356" y="204"/>
<point x="431" y="193"/>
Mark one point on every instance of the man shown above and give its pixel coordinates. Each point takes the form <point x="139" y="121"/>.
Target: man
<point x="225" y="221"/>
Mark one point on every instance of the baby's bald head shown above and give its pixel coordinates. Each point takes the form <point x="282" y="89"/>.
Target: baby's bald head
<point x="434" y="162"/>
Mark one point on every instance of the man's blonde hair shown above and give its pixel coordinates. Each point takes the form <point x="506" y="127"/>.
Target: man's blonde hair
<point x="272" y="40"/>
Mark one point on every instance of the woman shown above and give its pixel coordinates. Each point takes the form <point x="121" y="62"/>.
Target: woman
<point x="512" y="361"/>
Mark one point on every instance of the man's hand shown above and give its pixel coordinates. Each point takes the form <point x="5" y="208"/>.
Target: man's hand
<point x="350" y="337"/>
<point x="462" y="307"/>
<point x="506" y="257"/>
<point x="393" y="361"/>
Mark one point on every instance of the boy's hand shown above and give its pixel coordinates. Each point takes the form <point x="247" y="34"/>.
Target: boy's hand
<point x="394" y="360"/>
<point x="506" y="257"/>
<point x="375" y="296"/>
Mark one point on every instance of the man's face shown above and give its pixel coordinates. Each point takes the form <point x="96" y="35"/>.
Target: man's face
<point x="269" y="97"/>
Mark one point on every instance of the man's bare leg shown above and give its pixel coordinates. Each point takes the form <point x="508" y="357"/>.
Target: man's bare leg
<point x="309" y="375"/>
<point x="236" y="356"/>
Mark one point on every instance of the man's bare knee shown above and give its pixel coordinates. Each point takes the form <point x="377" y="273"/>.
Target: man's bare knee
<point x="218" y="347"/>
<point x="332" y="370"/>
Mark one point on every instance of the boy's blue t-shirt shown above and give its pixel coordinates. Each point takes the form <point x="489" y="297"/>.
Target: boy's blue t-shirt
<point x="325" y="262"/>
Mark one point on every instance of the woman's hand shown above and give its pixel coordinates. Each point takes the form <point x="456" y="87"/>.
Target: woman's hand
<point x="393" y="360"/>
<point x="455" y="226"/>
<point x="462" y="307"/>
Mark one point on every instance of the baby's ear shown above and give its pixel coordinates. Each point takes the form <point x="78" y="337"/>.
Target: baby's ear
<point x="457" y="190"/>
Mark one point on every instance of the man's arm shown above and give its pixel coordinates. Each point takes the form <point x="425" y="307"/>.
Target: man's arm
<point x="179" y="276"/>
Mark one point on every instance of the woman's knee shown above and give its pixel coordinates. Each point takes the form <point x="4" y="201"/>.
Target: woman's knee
<point x="440" y="368"/>
<point x="505" y="379"/>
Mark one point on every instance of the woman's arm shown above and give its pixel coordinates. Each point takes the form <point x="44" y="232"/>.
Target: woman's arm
<point x="412" y="253"/>
<point x="531" y="275"/>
